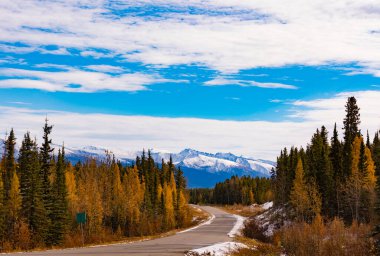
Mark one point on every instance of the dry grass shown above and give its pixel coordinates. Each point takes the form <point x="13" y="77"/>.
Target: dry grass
<point x="242" y="210"/>
<point x="198" y="214"/>
<point x="331" y="239"/>
<point x="256" y="248"/>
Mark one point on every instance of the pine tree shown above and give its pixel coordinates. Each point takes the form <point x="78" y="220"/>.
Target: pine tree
<point x="376" y="152"/>
<point x="32" y="207"/>
<point x="319" y="168"/>
<point x="59" y="212"/>
<point x="337" y="171"/>
<point x="9" y="162"/>
<point x="351" y="131"/>
<point x="2" y="212"/>
<point x="368" y="142"/>
<point x="46" y="166"/>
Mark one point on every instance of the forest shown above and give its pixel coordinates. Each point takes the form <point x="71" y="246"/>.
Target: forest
<point x="41" y="194"/>
<point x="244" y="190"/>
<point x="329" y="181"/>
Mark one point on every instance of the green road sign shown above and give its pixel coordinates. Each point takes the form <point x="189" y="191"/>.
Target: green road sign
<point x="81" y="217"/>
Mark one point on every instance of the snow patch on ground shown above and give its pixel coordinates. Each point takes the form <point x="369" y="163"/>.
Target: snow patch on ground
<point x="220" y="249"/>
<point x="237" y="227"/>
<point x="272" y="220"/>
<point x="267" y="205"/>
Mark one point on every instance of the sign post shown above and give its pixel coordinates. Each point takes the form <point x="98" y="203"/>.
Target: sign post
<point x="81" y="219"/>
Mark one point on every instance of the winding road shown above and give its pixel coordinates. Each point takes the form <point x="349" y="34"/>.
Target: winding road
<point x="214" y="232"/>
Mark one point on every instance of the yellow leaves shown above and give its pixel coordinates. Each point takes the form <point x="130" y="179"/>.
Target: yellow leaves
<point x="134" y="195"/>
<point x="14" y="197"/>
<point x="356" y="155"/>
<point x="370" y="179"/>
<point x="72" y="196"/>
<point x="169" y="218"/>
<point x="304" y="197"/>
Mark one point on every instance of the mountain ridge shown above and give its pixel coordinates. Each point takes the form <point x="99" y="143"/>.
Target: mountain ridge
<point x="202" y="169"/>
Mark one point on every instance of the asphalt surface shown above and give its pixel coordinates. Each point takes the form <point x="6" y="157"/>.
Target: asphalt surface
<point x="177" y="244"/>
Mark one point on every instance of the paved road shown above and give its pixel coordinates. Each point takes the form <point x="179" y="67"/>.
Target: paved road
<point x="177" y="244"/>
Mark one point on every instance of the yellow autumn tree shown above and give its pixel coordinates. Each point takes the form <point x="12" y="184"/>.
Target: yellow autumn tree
<point x="117" y="204"/>
<point x="72" y="197"/>
<point x="169" y="218"/>
<point x="304" y="197"/>
<point x="134" y="194"/>
<point x="14" y="203"/>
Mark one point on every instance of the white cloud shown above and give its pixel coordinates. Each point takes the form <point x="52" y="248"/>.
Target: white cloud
<point x="106" y="68"/>
<point x="262" y="139"/>
<point x="292" y="32"/>
<point x="220" y="81"/>
<point x="76" y="80"/>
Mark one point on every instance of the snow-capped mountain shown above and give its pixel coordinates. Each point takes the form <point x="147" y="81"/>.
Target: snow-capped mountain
<point x="200" y="168"/>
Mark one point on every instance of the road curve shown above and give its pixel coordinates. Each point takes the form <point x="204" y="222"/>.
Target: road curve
<point x="177" y="244"/>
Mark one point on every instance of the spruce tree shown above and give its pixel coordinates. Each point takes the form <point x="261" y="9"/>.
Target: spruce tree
<point x="337" y="172"/>
<point x="32" y="207"/>
<point x="376" y="152"/>
<point x="351" y="130"/>
<point x="46" y="166"/>
<point x="9" y="163"/>
<point x="59" y="212"/>
<point x="368" y="142"/>
<point x="2" y="211"/>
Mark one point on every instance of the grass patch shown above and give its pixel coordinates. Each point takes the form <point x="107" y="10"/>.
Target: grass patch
<point x="242" y="210"/>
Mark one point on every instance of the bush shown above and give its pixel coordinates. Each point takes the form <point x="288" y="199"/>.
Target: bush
<point x="332" y="239"/>
<point x="252" y="230"/>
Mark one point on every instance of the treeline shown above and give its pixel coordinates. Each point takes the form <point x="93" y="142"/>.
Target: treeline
<point x="236" y="190"/>
<point x="332" y="177"/>
<point x="41" y="194"/>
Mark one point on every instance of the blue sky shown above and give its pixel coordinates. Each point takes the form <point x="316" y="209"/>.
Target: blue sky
<point x="286" y="65"/>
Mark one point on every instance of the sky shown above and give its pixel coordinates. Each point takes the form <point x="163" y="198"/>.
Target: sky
<point x="248" y="77"/>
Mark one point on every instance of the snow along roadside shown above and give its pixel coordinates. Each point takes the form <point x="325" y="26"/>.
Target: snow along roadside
<point x="219" y="249"/>
<point x="235" y="231"/>
<point x="222" y="249"/>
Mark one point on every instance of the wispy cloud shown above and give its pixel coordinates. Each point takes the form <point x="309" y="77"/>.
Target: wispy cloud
<point x="76" y="80"/>
<point x="216" y="35"/>
<point x="106" y="68"/>
<point x="221" y="81"/>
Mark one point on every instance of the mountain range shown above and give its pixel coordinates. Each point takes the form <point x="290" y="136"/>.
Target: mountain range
<point x="201" y="169"/>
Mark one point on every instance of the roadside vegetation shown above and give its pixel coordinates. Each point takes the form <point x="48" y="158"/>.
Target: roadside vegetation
<point x="326" y="197"/>
<point x="41" y="195"/>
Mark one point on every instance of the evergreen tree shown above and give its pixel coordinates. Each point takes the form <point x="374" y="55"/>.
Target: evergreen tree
<point x="351" y="131"/>
<point x="46" y="166"/>
<point x="32" y="207"/>
<point x="59" y="211"/>
<point x="2" y="211"/>
<point x="319" y="168"/>
<point x="368" y="142"/>
<point x="9" y="162"/>
<point x="376" y="152"/>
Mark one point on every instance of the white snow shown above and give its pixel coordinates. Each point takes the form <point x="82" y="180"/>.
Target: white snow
<point x="235" y="231"/>
<point x="259" y="166"/>
<point x="220" y="249"/>
<point x="267" y="205"/>
<point x="202" y="161"/>
<point x="271" y="220"/>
